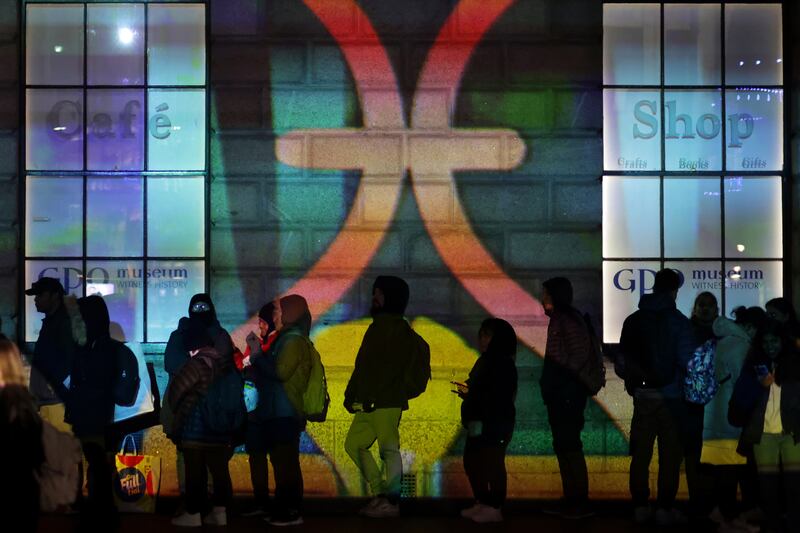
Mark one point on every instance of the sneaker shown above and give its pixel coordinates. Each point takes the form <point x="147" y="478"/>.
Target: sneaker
<point x="469" y="511"/>
<point x="716" y="516"/>
<point x="291" y="518"/>
<point x="187" y="520"/>
<point x="382" y="509"/>
<point x="487" y="515"/>
<point x="577" y="511"/>
<point x="642" y="514"/>
<point x="555" y="508"/>
<point x="255" y="511"/>
<point x="739" y="526"/>
<point x="670" y="517"/>
<point x="370" y="505"/>
<point x="217" y="517"/>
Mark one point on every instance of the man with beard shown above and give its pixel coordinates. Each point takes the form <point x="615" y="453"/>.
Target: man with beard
<point x="376" y="395"/>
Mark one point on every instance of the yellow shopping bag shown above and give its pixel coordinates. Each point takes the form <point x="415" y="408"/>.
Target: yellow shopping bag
<point x="137" y="480"/>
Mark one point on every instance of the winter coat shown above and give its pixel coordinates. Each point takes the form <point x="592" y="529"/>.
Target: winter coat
<point x="790" y="405"/>
<point x="281" y="376"/>
<point x="53" y="357"/>
<point x="176" y="353"/>
<point x="381" y="363"/>
<point x="492" y="389"/>
<point x="719" y="437"/>
<point x="659" y="320"/>
<point x="568" y="348"/>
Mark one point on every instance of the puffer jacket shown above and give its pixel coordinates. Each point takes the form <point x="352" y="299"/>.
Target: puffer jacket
<point x="568" y="349"/>
<point x="732" y="348"/>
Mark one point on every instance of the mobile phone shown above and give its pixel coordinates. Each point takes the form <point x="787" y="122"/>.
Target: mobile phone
<point x="461" y="388"/>
<point x="762" y="371"/>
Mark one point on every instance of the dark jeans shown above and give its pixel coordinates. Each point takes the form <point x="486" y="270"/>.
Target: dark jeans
<point x="727" y="479"/>
<point x="100" y="498"/>
<point x="692" y="436"/>
<point x="565" y="415"/>
<point x="653" y="418"/>
<point x="485" y="465"/>
<point x="280" y="439"/>
<point x="198" y="463"/>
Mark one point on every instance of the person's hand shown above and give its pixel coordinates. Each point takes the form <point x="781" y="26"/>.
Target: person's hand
<point x="254" y="343"/>
<point x="768" y="380"/>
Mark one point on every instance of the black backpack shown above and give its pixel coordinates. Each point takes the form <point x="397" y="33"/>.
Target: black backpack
<point x="650" y="362"/>
<point x="224" y="411"/>
<point x="126" y="375"/>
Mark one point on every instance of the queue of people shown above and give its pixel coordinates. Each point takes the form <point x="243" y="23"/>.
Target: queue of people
<point x="720" y="396"/>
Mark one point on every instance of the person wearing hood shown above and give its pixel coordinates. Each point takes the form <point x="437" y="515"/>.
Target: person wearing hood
<point x="657" y="342"/>
<point x="376" y="395"/>
<point x="281" y="376"/>
<point x="488" y="414"/>
<point x="569" y="347"/>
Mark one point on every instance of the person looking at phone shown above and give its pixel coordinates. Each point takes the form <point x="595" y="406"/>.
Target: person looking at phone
<point x="488" y="415"/>
<point x="773" y="429"/>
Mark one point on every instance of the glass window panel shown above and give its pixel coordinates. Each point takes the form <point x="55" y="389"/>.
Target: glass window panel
<point x="698" y="276"/>
<point x="177" y="127"/>
<point x="54" y="217"/>
<point x="753" y="217"/>
<point x="750" y="283"/>
<point x="693" y="130"/>
<point x="170" y="286"/>
<point x="176" y="44"/>
<point x="54" y="129"/>
<point x="755" y="129"/>
<point x="175" y="217"/>
<point x="692" y="42"/>
<point x="54" y="44"/>
<point x="115" y="44"/>
<point x="631" y="44"/>
<point x="631" y="225"/>
<point x="624" y="283"/>
<point x="115" y="131"/>
<point x="69" y="273"/>
<point x="631" y="130"/>
<point x="753" y="44"/>
<point x="692" y="217"/>
<point x="114" y="217"/>
<point x="121" y="284"/>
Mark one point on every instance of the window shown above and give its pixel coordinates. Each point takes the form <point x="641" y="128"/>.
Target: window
<point x="115" y="158"/>
<point x="693" y="153"/>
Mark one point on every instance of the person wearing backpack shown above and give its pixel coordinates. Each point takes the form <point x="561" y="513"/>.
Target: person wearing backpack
<point x="21" y="443"/>
<point x="568" y="350"/>
<point x="657" y="343"/>
<point x="377" y="394"/>
<point x="282" y="376"/>
<point x="488" y="414"/>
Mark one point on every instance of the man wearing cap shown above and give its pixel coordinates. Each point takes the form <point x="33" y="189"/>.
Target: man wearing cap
<point x="54" y="351"/>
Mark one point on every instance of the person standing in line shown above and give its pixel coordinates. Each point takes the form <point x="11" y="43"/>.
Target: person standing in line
<point x="569" y="347"/>
<point x="657" y="343"/>
<point x="281" y="376"/>
<point x="21" y="444"/>
<point x="257" y="436"/>
<point x="488" y="414"/>
<point x="376" y="395"/>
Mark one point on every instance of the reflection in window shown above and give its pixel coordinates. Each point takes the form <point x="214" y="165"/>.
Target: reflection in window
<point x="54" y="44"/>
<point x="631" y="44"/>
<point x="115" y="44"/>
<point x="631" y="226"/>
<point x="692" y="44"/>
<point x="54" y="132"/>
<point x="692" y="217"/>
<point x="54" y="217"/>
<point x="176" y="44"/>
<point x="121" y="284"/>
<point x="174" y="227"/>
<point x="114" y="217"/>
<point x="170" y="286"/>
<point x="753" y="217"/>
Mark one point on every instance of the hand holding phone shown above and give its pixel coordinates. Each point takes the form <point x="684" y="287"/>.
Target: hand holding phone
<point x="461" y="388"/>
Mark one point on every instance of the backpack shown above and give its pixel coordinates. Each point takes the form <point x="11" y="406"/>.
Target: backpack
<point x="418" y="372"/>
<point x="315" y="397"/>
<point x="58" y="474"/>
<point x="224" y="411"/>
<point x="650" y="364"/>
<point x="700" y="384"/>
<point x="593" y="373"/>
<point x="126" y="375"/>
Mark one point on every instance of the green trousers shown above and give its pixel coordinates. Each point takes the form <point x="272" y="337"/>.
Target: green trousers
<point x="381" y="425"/>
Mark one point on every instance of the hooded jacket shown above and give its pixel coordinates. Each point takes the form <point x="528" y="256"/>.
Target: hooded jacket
<point x="568" y="349"/>
<point x="53" y="357"/>
<point x="193" y="332"/>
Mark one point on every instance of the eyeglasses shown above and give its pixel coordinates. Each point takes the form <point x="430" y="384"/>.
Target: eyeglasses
<point x="201" y="307"/>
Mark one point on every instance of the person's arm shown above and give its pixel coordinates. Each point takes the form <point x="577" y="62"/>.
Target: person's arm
<point x="351" y="391"/>
<point x="175" y="354"/>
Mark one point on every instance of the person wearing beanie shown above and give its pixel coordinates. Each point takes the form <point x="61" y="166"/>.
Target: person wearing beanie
<point x="376" y="395"/>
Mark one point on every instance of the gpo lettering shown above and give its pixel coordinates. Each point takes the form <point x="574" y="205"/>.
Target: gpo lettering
<point x="706" y="126"/>
<point x="638" y="279"/>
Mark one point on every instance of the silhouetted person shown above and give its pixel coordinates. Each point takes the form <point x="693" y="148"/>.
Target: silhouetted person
<point x="488" y="415"/>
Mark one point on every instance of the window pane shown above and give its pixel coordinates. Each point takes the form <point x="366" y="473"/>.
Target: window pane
<point x="54" y="129"/>
<point x="114" y="217"/>
<point x="631" y="44"/>
<point x="752" y="283"/>
<point x="753" y="44"/>
<point x="170" y="286"/>
<point x="54" y="44"/>
<point x="175" y="217"/>
<point x="624" y="283"/>
<point x="116" y="129"/>
<point x="692" y="41"/>
<point x="693" y="130"/>
<point x="755" y="129"/>
<point x="692" y="217"/>
<point x="698" y="276"/>
<point x="176" y="44"/>
<point x="177" y="128"/>
<point x="54" y="217"/>
<point x="121" y="284"/>
<point x="753" y="217"/>
<point x="115" y="44"/>
<point x="631" y="226"/>
<point x="631" y="130"/>
<point x="70" y="275"/>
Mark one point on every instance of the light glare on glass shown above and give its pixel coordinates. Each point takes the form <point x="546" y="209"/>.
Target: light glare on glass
<point x="125" y="35"/>
<point x="58" y="49"/>
<point x="740" y="247"/>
